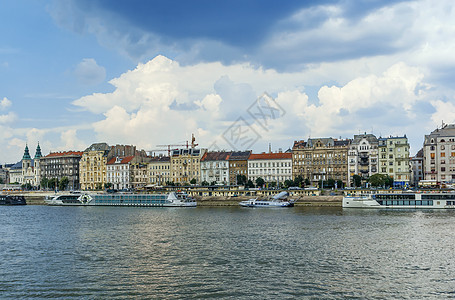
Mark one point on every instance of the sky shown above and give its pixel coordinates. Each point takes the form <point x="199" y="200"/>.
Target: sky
<point x="237" y="74"/>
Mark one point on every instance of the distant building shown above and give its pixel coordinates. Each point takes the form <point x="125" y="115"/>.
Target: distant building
<point x="92" y="166"/>
<point x="3" y="175"/>
<point x="215" y="167"/>
<point x="118" y="172"/>
<point x="394" y="159"/>
<point x="439" y="155"/>
<point x="272" y="167"/>
<point x="363" y="156"/>
<point x="238" y="165"/>
<point x="15" y="173"/>
<point x="30" y="168"/>
<point x="159" y="170"/>
<point x="321" y="159"/>
<point x="62" y="164"/>
<point x="416" y="163"/>
<point x="139" y="176"/>
<point x="186" y="165"/>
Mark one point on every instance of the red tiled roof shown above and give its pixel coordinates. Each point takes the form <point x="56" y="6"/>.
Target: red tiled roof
<point x="281" y="155"/>
<point x="124" y="160"/>
<point x="209" y="156"/>
<point x="65" y="153"/>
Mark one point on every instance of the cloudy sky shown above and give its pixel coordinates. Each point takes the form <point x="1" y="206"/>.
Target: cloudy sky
<point x="153" y="72"/>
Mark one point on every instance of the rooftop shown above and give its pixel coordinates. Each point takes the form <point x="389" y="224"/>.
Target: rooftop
<point x="211" y="156"/>
<point x="279" y="155"/>
<point x="64" y="153"/>
<point x="120" y="160"/>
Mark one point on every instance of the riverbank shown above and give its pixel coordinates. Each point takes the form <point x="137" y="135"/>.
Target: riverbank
<point x="213" y="201"/>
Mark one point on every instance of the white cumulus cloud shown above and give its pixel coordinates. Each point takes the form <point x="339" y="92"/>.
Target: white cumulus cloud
<point x="89" y="72"/>
<point x="5" y="103"/>
<point x="163" y="102"/>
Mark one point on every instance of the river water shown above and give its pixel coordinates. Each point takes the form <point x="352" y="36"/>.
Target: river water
<point x="225" y="253"/>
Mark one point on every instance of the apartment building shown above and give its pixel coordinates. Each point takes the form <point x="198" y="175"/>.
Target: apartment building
<point x="394" y="159"/>
<point x="272" y="167"/>
<point x="321" y="159"/>
<point x="363" y="157"/>
<point x="439" y="155"/>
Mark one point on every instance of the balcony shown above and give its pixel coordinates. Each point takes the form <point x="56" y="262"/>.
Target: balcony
<point x="363" y="163"/>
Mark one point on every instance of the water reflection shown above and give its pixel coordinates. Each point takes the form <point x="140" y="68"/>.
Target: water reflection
<point x="110" y="252"/>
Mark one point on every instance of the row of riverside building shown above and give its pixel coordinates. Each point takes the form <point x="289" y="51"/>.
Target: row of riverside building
<point x="315" y="160"/>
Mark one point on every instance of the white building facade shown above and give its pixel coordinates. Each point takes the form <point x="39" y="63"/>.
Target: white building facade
<point x="272" y="167"/>
<point x="118" y="172"/>
<point x="215" y="168"/>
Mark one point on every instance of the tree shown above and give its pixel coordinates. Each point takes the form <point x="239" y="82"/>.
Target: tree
<point x="250" y="184"/>
<point x="388" y="181"/>
<point x="204" y="183"/>
<point x="1" y="180"/>
<point x="107" y="185"/>
<point x="241" y="179"/>
<point x="213" y="183"/>
<point x="27" y="186"/>
<point x="99" y="186"/>
<point x="53" y="183"/>
<point x="63" y="184"/>
<point x="377" y="180"/>
<point x="259" y="182"/>
<point x="288" y="183"/>
<point x="44" y="182"/>
<point x="357" y="180"/>
<point x="330" y="183"/>
<point x="307" y="182"/>
<point x="340" y="184"/>
<point x="170" y="183"/>
<point x="299" y="181"/>
<point x="193" y="181"/>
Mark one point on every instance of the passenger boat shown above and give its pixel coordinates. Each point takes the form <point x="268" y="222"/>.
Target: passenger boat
<point x="405" y="200"/>
<point x="276" y="201"/>
<point x="12" y="200"/>
<point x="173" y="199"/>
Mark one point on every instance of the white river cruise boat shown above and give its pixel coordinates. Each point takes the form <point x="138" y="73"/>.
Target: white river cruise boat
<point x="173" y="199"/>
<point x="276" y="201"/>
<point x="405" y="200"/>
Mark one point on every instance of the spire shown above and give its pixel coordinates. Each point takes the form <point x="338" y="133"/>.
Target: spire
<point x="26" y="153"/>
<point x="38" y="154"/>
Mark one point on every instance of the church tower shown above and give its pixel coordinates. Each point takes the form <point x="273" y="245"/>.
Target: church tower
<point x="26" y="164"/>
<point x="36" y="165"/>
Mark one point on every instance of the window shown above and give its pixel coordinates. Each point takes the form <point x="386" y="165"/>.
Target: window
<point x="443" y="154"/>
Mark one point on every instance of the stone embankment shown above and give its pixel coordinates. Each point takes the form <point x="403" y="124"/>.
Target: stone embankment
<point x="38" y="199"/>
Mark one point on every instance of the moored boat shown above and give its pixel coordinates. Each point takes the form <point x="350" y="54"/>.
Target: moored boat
<point x="279" y="200"/>
<point x="405" y="200"/>
<point x="12" y="200"/>
<point x="173" y="199"/>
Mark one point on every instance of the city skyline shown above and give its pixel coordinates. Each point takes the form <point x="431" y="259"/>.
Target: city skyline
<point x="151" y="72"/>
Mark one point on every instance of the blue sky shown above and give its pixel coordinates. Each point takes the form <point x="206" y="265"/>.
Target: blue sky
<point x="154" y="72"/>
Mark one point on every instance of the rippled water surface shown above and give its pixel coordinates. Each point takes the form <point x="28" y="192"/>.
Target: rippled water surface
<point x="233" y="253"/>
